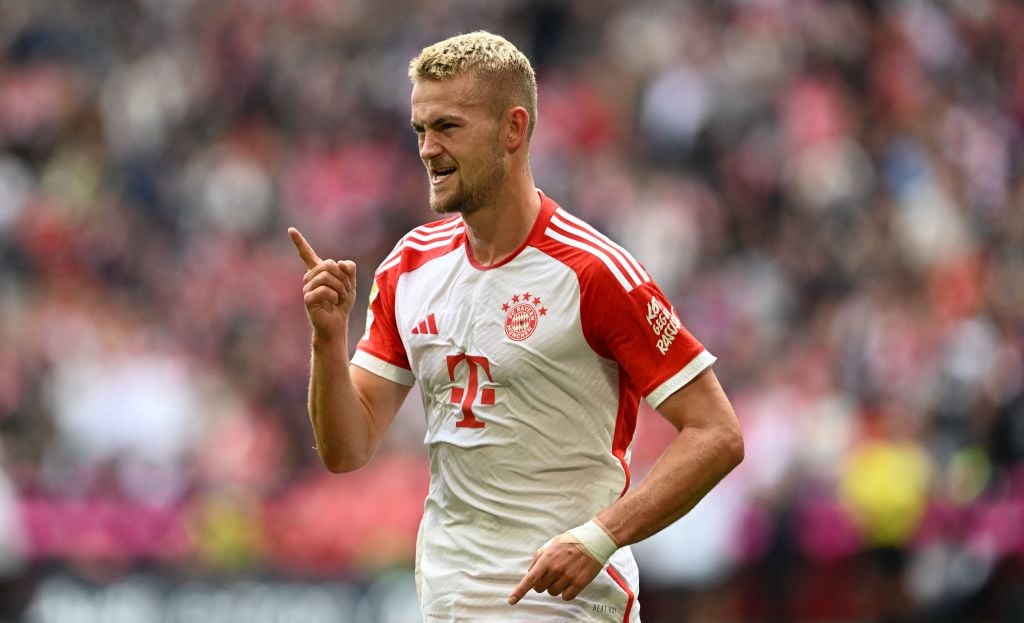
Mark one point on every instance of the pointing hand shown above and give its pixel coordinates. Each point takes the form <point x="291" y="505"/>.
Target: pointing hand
<point x="329" y="289"/>
<point x="560" y="568"/>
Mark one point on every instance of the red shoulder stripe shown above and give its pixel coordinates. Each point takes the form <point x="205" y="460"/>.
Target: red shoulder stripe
<point x="606" y="243"/>
<point x="413" y="253"/>
<point x="573" y="240"/>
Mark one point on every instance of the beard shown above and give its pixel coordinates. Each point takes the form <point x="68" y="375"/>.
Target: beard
<point x="470" y="196"/>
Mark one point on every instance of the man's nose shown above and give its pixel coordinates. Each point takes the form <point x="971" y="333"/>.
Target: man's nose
<point x="429" y="147"/>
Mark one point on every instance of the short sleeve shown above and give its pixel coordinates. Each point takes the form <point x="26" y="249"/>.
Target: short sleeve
<point x="381" y="350"/>
<point x="640" y="330"/>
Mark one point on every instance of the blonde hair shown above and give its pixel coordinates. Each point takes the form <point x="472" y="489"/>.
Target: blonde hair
<point x="493" y="59"/>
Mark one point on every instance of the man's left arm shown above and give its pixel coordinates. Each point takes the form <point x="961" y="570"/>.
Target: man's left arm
<point x="709" y="445"/>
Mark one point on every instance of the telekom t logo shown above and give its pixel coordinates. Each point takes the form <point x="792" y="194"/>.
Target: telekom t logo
<point x="466" y="397"/>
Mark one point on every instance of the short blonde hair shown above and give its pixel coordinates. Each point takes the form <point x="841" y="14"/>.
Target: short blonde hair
<point x="493" y="59"/>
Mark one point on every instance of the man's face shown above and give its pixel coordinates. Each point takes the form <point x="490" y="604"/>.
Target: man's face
<point x="459" y="146"/>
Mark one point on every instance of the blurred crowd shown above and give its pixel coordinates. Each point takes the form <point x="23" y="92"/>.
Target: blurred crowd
<point x="830" y="192"/>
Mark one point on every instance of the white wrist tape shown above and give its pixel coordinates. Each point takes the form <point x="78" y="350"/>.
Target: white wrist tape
<point x="594" y="540"/>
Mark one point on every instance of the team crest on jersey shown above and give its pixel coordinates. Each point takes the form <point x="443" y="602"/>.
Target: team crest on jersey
<point x="522" y="314"/>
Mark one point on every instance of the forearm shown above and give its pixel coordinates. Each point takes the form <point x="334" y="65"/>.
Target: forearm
<point x="349" y="409"/>
<point x="340" y="422"/>
<point x="696" y="460"/>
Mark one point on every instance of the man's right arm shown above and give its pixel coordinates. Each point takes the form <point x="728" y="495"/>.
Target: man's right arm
<point x="349" y="407"/>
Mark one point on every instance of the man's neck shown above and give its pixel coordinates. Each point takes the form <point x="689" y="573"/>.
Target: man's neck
<point x="495" y="232"/>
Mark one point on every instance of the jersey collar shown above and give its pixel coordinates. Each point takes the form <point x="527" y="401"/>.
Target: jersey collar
<point x="547" y="208"/>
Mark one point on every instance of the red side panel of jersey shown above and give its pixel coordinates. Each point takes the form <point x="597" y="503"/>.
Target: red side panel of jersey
<point x="625" y="317"/>
<point x="625" y="424"/>
<point x="382" y="338"/>
<point x="630" y="595"/>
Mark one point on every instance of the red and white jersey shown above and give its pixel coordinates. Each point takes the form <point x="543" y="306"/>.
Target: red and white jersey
<point x="531" y="373"/>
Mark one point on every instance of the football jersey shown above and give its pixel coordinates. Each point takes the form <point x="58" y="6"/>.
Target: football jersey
<point x="531" y="372"/>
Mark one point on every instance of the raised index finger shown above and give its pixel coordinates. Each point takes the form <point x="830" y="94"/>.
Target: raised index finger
<point x="306" y="252"/>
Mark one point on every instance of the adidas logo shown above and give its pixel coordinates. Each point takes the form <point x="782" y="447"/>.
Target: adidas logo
<point x="427" y="326"/>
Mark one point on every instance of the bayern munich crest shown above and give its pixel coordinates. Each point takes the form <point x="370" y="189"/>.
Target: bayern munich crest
<point x="522" y="313"/>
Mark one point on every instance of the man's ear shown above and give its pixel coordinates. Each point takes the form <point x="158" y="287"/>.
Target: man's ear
<point x="517" y="124"/>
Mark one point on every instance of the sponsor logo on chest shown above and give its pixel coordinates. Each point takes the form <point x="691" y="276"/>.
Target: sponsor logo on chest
<point x="522" y="315"/>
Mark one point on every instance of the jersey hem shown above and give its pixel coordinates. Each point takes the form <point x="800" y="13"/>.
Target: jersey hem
<point x="383" y="369"/>
<point x="690" y="371"/>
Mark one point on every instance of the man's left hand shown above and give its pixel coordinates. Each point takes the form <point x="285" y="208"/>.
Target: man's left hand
<point x="560" y="568"/>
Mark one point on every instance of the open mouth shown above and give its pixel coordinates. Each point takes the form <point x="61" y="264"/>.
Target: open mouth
<point x="438" y="176"/>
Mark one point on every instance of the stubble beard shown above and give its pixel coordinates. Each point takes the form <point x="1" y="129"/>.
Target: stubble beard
<point x="468" y="198"/>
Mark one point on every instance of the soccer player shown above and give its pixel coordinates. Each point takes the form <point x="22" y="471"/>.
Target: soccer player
<point x="533" y="337"/>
